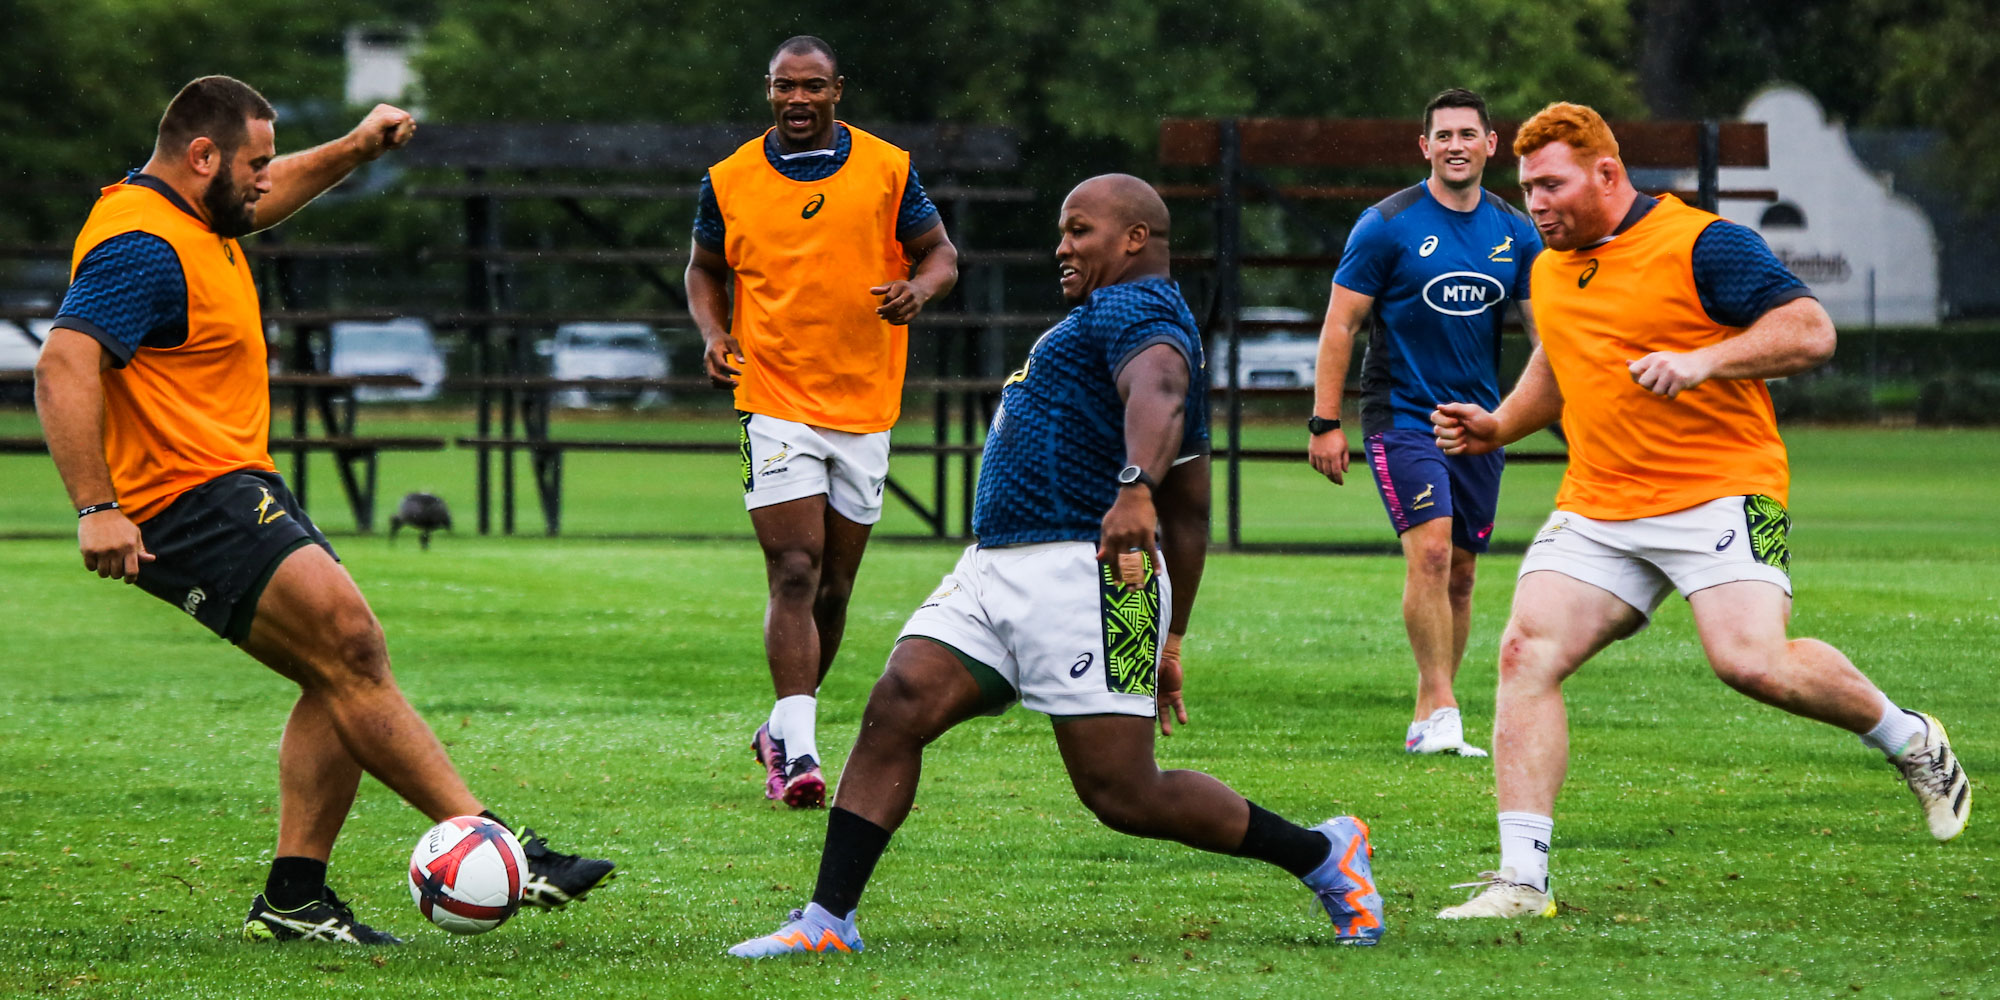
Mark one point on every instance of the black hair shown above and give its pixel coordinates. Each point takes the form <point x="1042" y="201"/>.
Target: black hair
<point x="219" y="107"/>
<point x="799" y="45"/>
<point x="1457" y="97"/>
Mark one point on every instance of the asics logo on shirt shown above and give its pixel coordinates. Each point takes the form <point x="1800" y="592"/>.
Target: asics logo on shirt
<point x="1428" y="246"/>
<point x="1589" y="272"/>
<point x="812" y="207"/>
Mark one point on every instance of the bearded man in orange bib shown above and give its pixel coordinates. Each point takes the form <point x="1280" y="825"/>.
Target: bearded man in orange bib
<point x="825" y="239"/>
<point x="1659" y="323"/>
<point x="155" y="399"/>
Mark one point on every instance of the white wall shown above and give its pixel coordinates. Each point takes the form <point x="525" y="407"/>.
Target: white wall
<point x="1855" y="223"/>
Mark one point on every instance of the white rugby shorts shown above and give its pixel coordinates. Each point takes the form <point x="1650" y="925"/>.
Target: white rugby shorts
<point x="784" y="460"/>
<point x="1052" y="621"/>
<point x="1641" y="560"/>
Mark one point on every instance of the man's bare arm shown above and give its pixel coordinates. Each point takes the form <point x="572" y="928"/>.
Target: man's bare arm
<point x="69" y="399"/>
<point x="935" y="273"/>
<point x="1345" y="309"/>
<point x="298" y="178"/>
<point x="1792" y="338"/>
<point x="708" y="278"/>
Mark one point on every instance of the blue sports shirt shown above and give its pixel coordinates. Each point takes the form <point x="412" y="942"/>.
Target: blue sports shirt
<point x="1441" y="280"/>
<point x="1050" y="468"/>
<point x="129" y="291"/>
<point x="914" y="217"/>
<point x="1736" y="276"/>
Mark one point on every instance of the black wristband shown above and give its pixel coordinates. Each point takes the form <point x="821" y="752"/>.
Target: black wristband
<point x="96" y="507"/>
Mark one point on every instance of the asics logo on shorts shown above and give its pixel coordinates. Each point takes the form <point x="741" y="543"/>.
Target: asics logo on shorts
<point x="1727" y="537"/>
<point x="1081" y="666"/>
<point x="267" y="509"/>
<point x="192" y="603"/>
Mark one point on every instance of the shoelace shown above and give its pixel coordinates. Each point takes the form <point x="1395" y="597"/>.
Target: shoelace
<point x="1493" y="880"/>
<point x="1928" y="767"/>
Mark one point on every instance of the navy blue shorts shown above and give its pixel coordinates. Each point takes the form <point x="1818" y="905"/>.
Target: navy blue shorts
<point x="1420" y="483"/>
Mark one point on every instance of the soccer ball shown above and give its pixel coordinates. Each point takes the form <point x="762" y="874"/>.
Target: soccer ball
<point x="466" y="874"/>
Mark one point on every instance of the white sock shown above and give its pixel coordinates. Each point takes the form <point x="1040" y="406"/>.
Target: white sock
<point x="793" y="719"/>
<point x="1893" y="734"/>
<point x="1524" y="847"/>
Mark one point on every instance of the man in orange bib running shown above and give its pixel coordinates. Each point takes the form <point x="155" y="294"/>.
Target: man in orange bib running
<point x="828" y="245"/>
<point x="1659" y="323"/>
<point x="155" y="400"/>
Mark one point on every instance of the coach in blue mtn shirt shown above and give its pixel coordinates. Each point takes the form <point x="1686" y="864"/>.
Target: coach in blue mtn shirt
<point x="1433" y="269"/>
<point x="1101" y="440"/>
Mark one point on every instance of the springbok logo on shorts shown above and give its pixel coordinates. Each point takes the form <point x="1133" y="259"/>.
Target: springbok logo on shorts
<point x="784" y="452"/>
<point x="267" y="509"/>
<point x="938" y="598"/>
<point x="1422" y="500"/>
<point x="192" y="602"/>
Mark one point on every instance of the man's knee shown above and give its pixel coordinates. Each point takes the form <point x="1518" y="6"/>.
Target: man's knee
<point x="900" y="707"/>
<point x="1430" y="556"/>
<point x="350" y="652"/>
<point x="794" y="573"/>
<point x="833" y="593"/>
<point x="1752" y="668"/>
<point x="1462" y="578"/>
<point x="1528" y="658"/>
<point x="1122" y="804"/>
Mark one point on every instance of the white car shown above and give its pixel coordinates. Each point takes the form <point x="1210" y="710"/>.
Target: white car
<point x="397" y="347"/>
<point x="607" y="350"/>
<point x="18" y="353"/>
<point x="1285" y="358"/>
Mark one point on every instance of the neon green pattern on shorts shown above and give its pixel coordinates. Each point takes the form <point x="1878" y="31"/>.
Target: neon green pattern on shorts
<point x="743" y="446"/>
<point x="1131" y="633"/>
<point x="1770" y="531"/>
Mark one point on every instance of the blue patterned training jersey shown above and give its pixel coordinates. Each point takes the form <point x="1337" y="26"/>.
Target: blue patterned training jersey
<point x="1050" y="468"/>
<point x="1441" y="280"/>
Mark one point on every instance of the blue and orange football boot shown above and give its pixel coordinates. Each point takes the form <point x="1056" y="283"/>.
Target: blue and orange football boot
<point x="812" y="929"/>
<point x="1345" y="882"/>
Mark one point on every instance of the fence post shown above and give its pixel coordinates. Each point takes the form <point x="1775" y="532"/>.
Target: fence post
<point x="1228" y="289"/>
<point x="1709" y="160"/>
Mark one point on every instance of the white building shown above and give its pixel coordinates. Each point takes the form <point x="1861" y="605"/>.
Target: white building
<point x="1869" y="253"/>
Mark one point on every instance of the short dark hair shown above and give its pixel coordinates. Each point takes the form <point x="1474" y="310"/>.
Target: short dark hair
<point x="1457" y="97"/>
<point x="799" y="45"/>
<point x="219" y="107"/>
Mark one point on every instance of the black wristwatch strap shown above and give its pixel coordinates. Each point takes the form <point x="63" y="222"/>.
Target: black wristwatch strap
<point x="1132" y="475"/>
<point x="1317" y="425"/>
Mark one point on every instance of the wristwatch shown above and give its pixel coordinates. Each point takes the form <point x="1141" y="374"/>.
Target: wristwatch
<point x="1318" y="425"/>
<point x="1132" y="475"/>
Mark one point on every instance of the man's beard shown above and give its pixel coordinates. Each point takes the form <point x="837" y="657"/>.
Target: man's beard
<point x="228" y="214"/>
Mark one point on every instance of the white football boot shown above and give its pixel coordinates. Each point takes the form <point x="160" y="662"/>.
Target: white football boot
<point x="1501" y="896"/>
<point x="1932" y="772"/>
<point x="1443" y="732"/>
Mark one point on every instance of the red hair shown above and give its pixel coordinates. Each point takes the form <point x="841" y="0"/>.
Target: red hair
<point x="1580" y="128"/>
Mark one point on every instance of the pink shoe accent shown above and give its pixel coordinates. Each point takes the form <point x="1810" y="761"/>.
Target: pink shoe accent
<point x="771" y="754"/>
<point x="806" y="790"/>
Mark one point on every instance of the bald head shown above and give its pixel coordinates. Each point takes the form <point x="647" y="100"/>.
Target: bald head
<point x="1114" y="230"/>
<point x="1125" y="199"/>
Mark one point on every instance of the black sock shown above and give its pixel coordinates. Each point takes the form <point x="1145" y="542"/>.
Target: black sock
<point x="294" y="882"/>
<point x="488" y="813"/>
<point x="853" y="845"/>
<point x="1271" y="837"/>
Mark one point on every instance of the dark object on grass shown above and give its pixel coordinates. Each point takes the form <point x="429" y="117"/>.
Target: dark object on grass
<point x="423" y="511"/>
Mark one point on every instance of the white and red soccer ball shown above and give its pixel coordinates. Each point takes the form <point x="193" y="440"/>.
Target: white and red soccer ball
<point x="466" y="874"/>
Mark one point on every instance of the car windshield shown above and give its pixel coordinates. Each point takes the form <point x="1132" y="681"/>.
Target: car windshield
<point x="381" y="340"/>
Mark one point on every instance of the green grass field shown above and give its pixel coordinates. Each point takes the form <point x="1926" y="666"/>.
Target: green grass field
<point x="603" y="690"/>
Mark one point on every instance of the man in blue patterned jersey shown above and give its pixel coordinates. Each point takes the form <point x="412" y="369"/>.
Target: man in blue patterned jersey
<point x="1434" y="266"/>
<point x="1093" y="491"/>
<point x="814" y="247"/>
